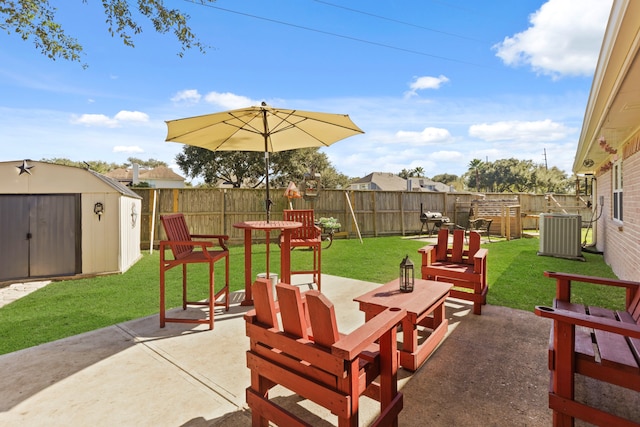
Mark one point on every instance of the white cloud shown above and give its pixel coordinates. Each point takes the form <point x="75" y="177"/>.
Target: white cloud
<point x="428" y="135"/>
<point x="521" y="131"/>
<point x="190" y="96"/>
<point x="94" y="120"/>
<point x="447" y="156"/>
<point x="127" y="149"/>
<point x="131" y="116"/>
<point x="564" y="38"/>
<point x="229" y="100"/>
<point x="101" y="120"/>
<point x="426" y="82"/>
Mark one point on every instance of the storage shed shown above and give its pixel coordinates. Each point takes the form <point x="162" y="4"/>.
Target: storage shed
<point x="58" y="220"/>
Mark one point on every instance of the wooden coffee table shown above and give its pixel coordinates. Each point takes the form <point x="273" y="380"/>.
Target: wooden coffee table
<point x="425" y="308"/>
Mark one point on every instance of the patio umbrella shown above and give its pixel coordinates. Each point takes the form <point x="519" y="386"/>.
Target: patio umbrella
<point x="262" y="128"/>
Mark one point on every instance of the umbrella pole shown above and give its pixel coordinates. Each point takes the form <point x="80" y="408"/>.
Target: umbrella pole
<point x="266" y="159"/>
<point x="268" y="202"/>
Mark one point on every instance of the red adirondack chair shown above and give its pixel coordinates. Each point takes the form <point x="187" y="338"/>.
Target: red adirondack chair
<point x="465" y="268"/>
<point x="591" y="341"/>
<point x="308" y="356"/>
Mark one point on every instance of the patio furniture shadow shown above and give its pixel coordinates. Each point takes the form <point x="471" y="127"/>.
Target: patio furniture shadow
<point x="34" y="369"/>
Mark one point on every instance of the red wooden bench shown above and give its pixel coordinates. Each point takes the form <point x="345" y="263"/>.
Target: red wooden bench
<point x="591" y="341"/>
<point x="182" y="246"/>
<point x="466" y="269"/>
<point x="309" y="357"/>
<point x="307" y="236"/>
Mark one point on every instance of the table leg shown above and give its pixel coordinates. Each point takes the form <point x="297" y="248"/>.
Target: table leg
<point x="438" y="315"/>
<point x="248" y="298"/>
<point x="409" y="335"/>
<point x="285" y="257"/>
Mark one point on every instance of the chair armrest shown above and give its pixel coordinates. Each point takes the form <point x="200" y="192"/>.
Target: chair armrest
<point x="563" y="284"/>
<point x="428" y="248"/>
<point x="592" y="279"/>
<point x="194" y="243"/>
<point x="481" y="254"/>
<point x="222" y="238"/>
<point x="428" y="254"/>
<point x="211" y="236"/>
<point x="350" y="346"/>
<point x="480" y="260"/>
<point x="580" y="319"/>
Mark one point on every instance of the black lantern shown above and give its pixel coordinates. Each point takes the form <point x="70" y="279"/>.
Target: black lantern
<point x="407" y="275"/>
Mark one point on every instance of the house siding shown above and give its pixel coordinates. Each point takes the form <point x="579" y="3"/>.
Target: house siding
<point x="620" y="241"/>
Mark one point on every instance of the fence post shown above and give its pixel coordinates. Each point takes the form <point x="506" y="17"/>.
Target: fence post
<point x="175" y="201"/>
<point x="401" y="196"/>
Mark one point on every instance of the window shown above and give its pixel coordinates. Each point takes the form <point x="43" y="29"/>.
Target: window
<point x="617" y="190"/>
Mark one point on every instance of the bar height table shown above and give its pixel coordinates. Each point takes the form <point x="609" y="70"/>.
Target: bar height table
<point x="285" y="250"/>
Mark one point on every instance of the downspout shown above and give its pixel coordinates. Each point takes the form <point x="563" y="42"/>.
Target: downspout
<point x="592" y="248"/>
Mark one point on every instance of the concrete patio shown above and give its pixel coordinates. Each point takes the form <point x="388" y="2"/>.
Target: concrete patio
<point x="491" y="370"/>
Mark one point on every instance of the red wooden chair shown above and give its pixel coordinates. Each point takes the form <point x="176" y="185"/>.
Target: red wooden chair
<point x="465" y="268"/>
<point x="182" y="246"/>
<point x="309" y="357"/>
<point x="595" y="342"/>
<point x="307" y="236"/>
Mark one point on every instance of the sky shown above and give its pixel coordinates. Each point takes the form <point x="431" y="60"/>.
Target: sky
<point x="433" y="84"/>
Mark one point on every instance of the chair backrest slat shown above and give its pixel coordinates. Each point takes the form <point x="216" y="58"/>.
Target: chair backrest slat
<point x="175" y="226"/>
<point x="306" y="217"/>
<point x="442" y="245"/>
<point x="458" y="246"/>
<point x="456" y="253"/>
<point x="474" y="245"/>
<point x="262" y="293"/>
<point x="322" y="317"/>
<point x="292" y="312"/>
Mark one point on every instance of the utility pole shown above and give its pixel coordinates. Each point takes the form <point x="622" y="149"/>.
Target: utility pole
<point x="545" y="159"/>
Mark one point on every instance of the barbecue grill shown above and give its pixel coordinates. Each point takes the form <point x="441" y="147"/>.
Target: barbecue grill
<point x="431" y="220"/>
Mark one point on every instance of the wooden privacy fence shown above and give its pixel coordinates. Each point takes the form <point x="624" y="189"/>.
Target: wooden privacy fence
<point x="378" y="213"/>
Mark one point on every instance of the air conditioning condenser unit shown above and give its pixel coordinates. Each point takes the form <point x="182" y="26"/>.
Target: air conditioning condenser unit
<point x="561" y="235"/>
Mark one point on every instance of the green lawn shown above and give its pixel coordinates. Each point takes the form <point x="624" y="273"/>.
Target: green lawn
<point x="71" y="307"/>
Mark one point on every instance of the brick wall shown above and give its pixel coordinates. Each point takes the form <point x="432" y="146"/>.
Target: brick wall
<point x="620" y="241"/>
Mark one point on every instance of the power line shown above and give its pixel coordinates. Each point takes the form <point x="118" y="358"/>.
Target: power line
<point x="387" y="46"/>
<point x="398" y="21"/>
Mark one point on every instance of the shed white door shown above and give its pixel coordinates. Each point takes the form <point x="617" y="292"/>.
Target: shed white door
<point x="39" y="236"/>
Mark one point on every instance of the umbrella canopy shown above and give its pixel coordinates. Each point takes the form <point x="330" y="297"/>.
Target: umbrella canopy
<point x="262" y="128"/>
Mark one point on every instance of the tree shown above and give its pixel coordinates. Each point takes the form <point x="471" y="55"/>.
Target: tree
<point x="36" y="20"/>
<point x="292" y="165"/>
<point x="148" y="164"/>
<point x="553" y="181"/>
<point x="417" y="172"/>
<point x="405" y="173"/>
<point x="513" y="175"/>
<point x="474" y="166"/>
<point x="234" y="167"/>
<point x="99" y="166"/>
<point x="246" y="168"/>
<point x="446" y="178"/>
